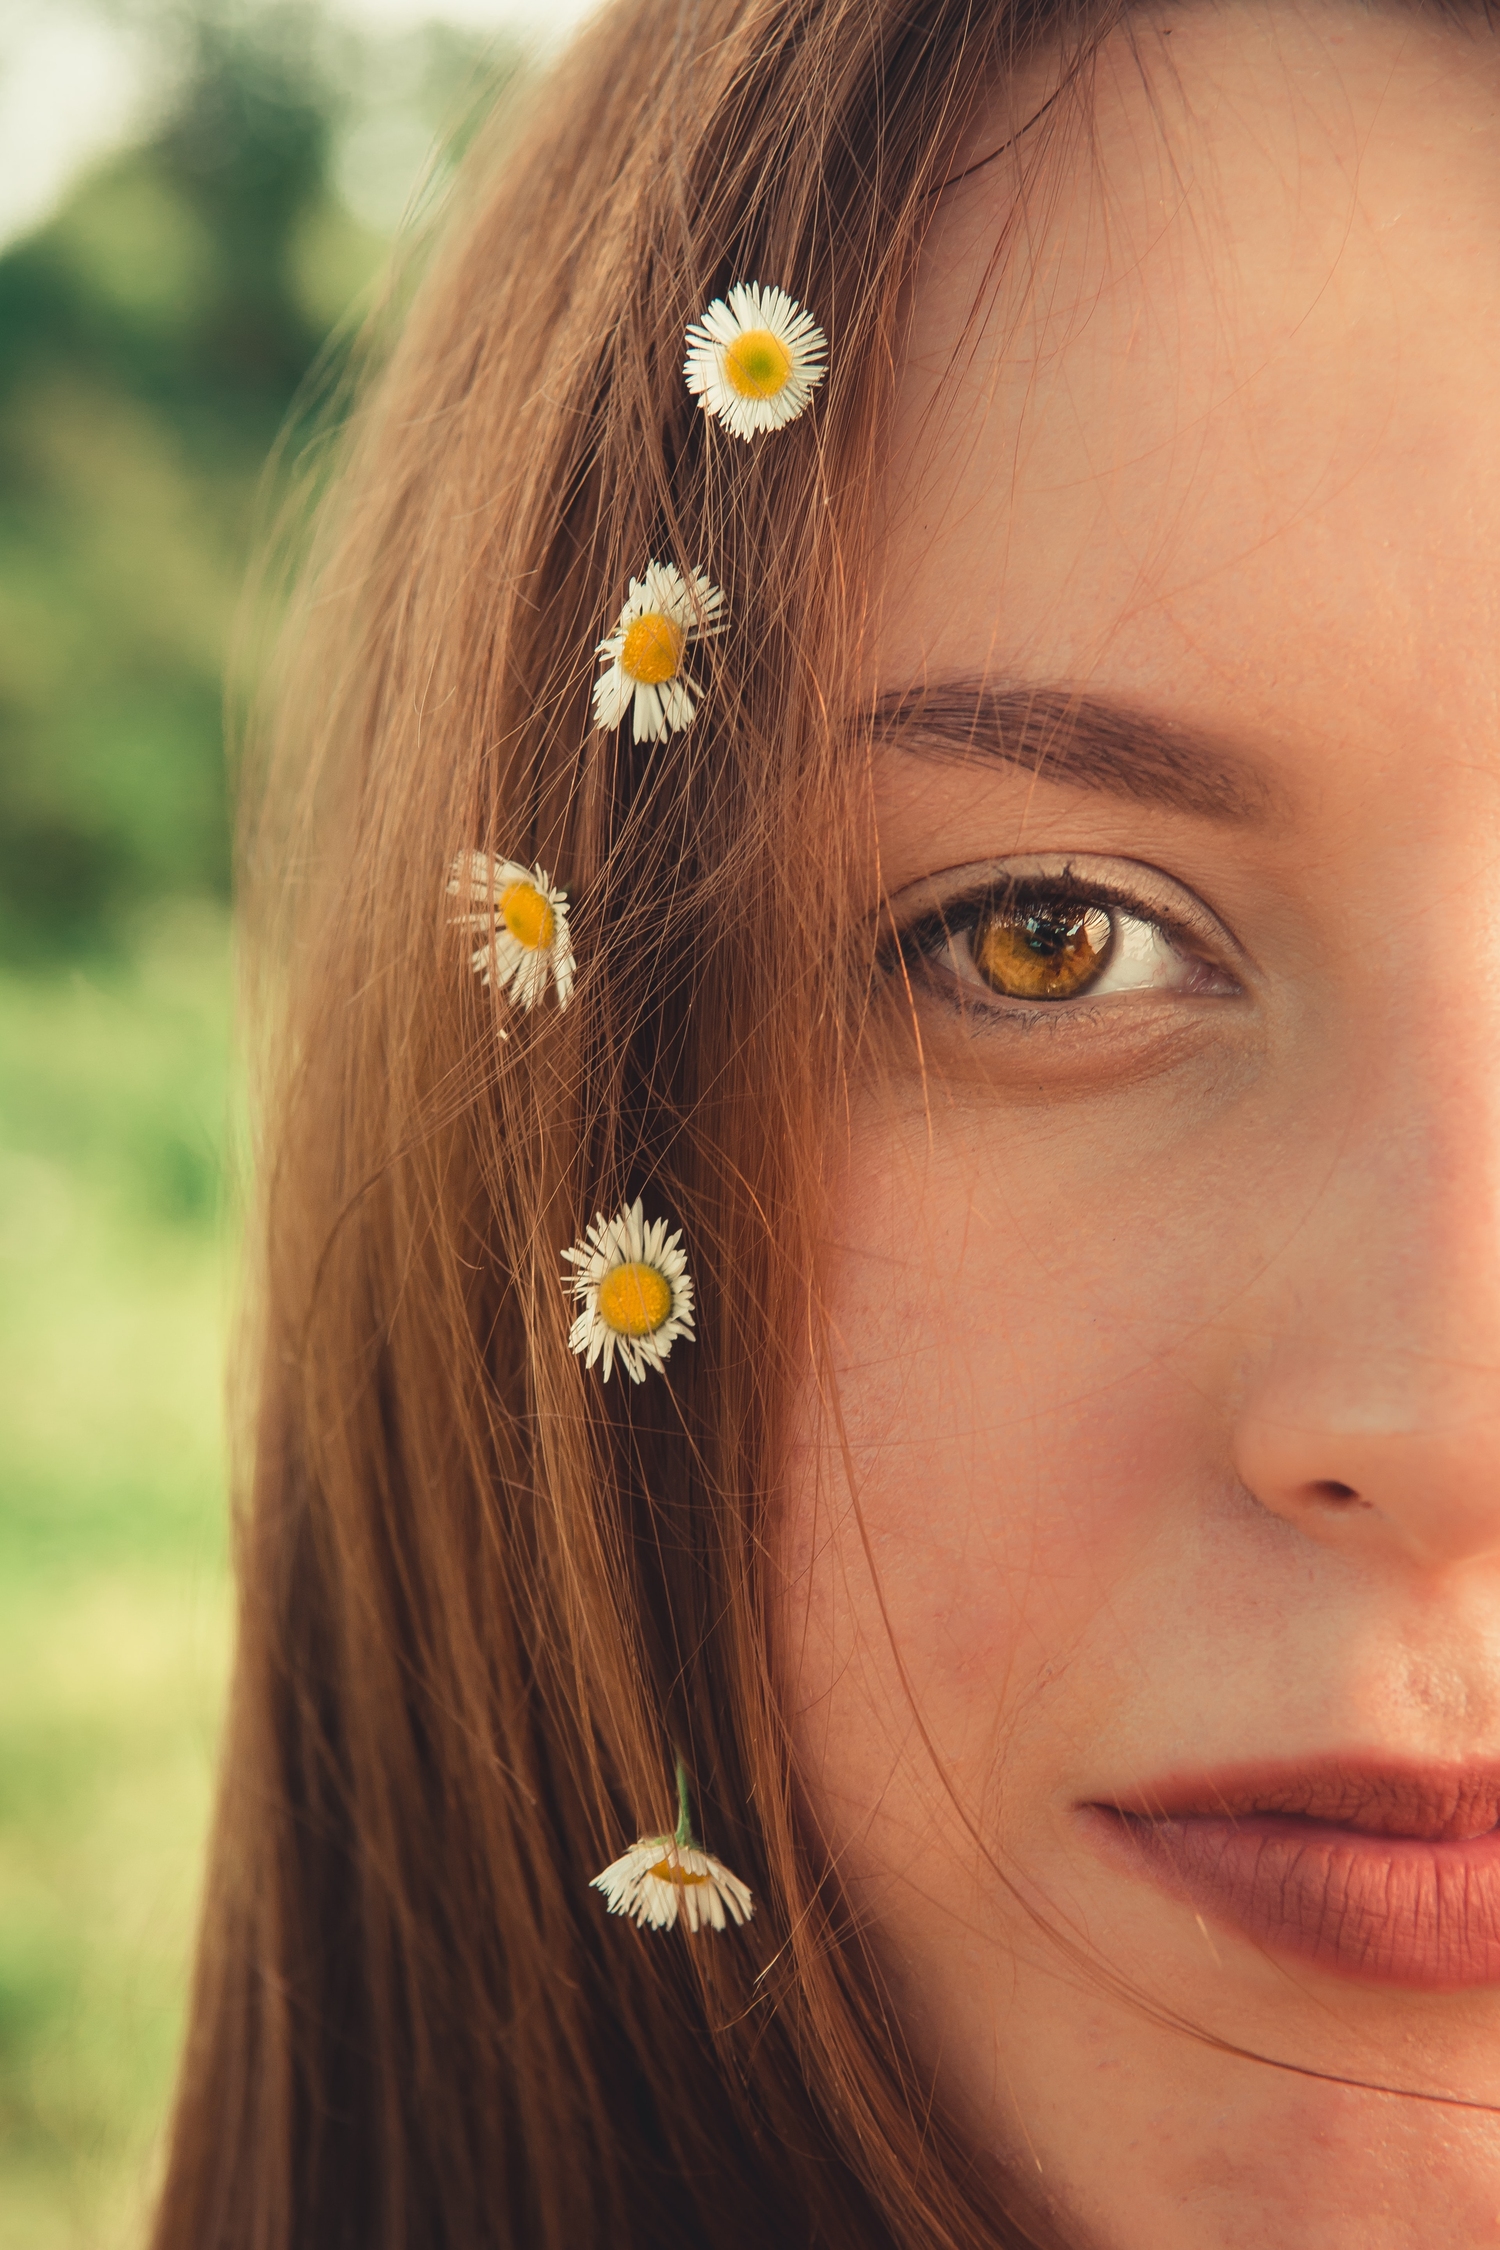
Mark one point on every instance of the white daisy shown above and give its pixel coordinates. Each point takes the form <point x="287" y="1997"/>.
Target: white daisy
<point x="643" y="657"/>
<point x="756" y="360"/>
<point x="659" y="1878"/>
<point x="523" y="923"/>
<point x="635" y="1290"/>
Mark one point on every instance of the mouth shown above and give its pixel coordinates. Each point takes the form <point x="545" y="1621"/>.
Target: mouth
<point x="1385" y="1873"/>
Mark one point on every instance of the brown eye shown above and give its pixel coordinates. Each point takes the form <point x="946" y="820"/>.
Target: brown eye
<point x="1041" y="949"/>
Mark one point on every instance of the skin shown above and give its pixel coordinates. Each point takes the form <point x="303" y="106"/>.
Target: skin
<point x="1116" y="1297"/>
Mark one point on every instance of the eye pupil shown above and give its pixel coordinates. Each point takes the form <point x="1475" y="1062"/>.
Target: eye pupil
<point x="1047" y="949"/>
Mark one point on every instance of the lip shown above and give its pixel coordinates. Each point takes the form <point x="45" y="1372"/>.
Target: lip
<point x="1383" y="1871"/>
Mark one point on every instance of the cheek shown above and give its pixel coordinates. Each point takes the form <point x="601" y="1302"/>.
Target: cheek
<point x="1002" y="1437"/>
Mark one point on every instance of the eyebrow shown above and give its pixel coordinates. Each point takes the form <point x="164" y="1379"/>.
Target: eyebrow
<point x="1068" y="736"/>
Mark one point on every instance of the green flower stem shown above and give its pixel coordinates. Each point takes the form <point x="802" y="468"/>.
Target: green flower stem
<point x="685" y="1838"/>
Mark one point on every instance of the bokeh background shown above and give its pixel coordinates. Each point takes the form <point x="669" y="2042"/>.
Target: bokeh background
<point x="196" y="199"/>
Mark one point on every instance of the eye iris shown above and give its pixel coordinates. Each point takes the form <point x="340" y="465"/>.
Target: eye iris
<point x="1047" y="950"/>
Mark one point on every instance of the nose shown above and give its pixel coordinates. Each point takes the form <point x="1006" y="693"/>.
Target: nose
<point x="1373" y="1423"/>
<point x="1419" y="1483"/>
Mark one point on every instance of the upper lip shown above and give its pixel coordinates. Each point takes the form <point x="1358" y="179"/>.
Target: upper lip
<point x="1370" y="1795"/>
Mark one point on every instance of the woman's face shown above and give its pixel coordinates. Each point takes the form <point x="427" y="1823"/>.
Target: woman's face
<point x="1144" y="1564"/>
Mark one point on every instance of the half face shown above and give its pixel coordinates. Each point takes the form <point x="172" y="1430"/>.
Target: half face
<point x="1143" y="1607"/>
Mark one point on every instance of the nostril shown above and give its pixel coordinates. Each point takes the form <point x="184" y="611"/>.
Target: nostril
<point x="1329" y="1488"/>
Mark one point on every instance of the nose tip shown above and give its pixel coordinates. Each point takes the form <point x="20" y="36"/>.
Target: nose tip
<point x="1430" y="1494"/>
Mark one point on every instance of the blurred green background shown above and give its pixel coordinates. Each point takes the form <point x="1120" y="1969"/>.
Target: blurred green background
<point x="157" y="331"/>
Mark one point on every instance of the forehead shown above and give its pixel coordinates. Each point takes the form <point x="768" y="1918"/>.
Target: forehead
<point x="1206" y="360"/>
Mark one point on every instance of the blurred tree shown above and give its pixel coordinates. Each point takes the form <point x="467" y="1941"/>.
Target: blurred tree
<point x="153" y="338"/>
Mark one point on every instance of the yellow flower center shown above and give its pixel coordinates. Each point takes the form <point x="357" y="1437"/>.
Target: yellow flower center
<point x="527" y="916"/>
<point x="666" y="1872"/>
<point x="757" y="364"/>
<point x="653" y="648"/>
<point x="634" y="1300"/>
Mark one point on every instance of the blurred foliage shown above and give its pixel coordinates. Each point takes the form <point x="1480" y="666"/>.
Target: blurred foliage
<point x="154" y="340"/>
<point x="113" y="1594"/>
<point x="156" y="336"/>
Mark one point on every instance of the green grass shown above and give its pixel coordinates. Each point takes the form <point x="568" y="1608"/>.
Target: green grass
<point x="113" y="1592"/>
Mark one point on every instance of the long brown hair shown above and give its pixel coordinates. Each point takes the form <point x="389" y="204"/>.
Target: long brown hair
<point x="484" y="1599"/>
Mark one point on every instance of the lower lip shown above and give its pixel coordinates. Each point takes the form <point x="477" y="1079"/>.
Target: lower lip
<point x="1382" y="1909"/>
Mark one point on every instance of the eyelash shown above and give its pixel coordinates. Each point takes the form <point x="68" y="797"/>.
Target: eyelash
<point x="940" y="945"/>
